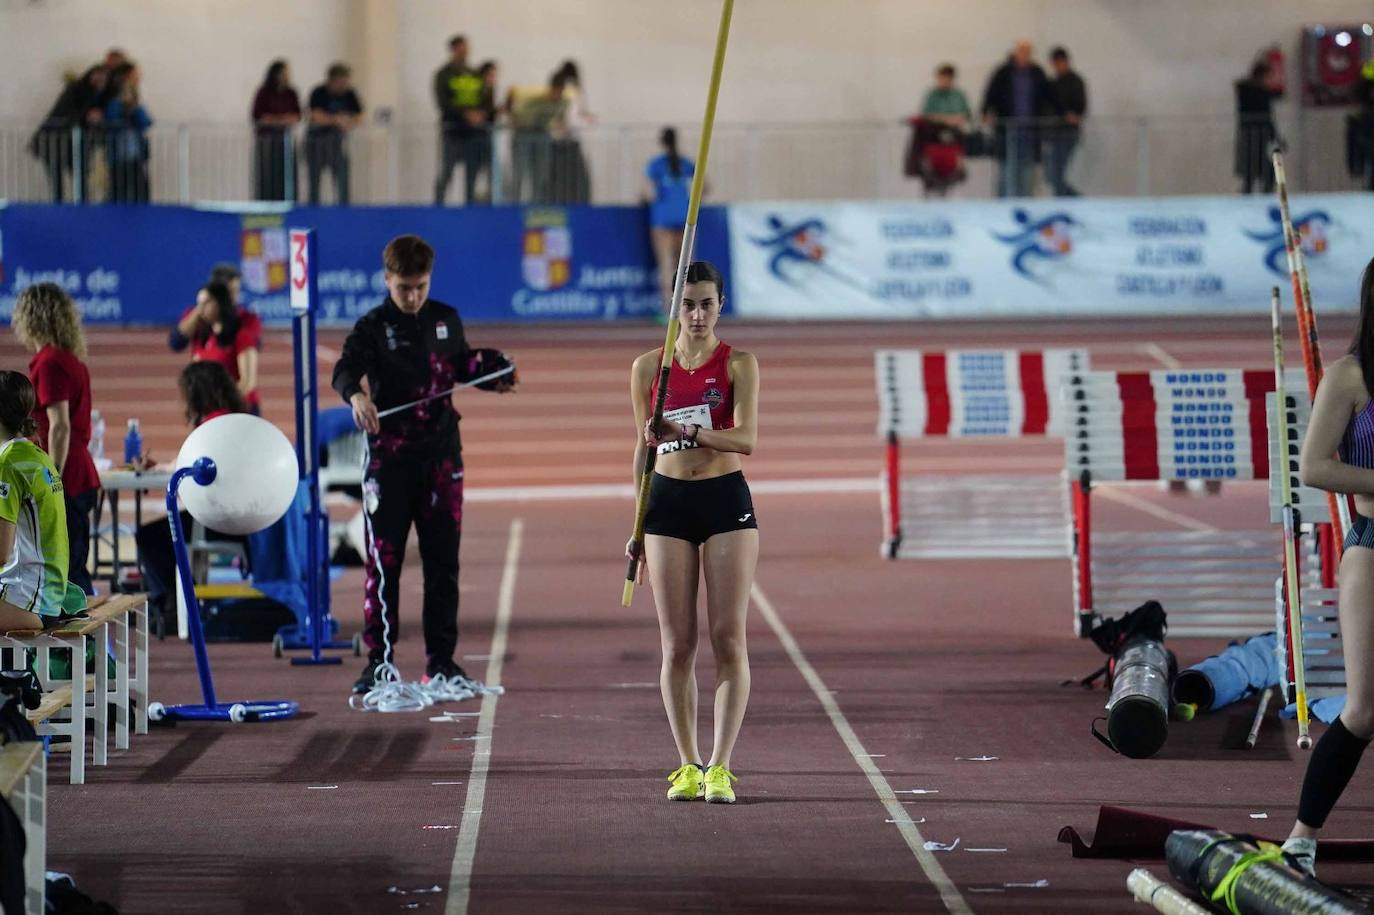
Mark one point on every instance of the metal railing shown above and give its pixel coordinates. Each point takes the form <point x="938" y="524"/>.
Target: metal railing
<point x="186" y="163"/>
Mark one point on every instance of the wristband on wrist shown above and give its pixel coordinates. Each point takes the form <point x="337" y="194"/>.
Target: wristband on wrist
<point x="695" y="430"/>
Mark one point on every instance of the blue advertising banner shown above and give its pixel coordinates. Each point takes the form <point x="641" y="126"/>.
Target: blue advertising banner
<point x="1196" y="255"/>
<point x="142" y="265"/>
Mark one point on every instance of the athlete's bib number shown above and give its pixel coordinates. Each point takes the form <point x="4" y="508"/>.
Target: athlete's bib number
<point x="699" y="415"/>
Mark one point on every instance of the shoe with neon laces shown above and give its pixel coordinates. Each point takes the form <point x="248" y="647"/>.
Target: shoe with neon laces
<point x="689" y="783"/>
<point x="448" y="678"/>
<point x="718" y="790"/>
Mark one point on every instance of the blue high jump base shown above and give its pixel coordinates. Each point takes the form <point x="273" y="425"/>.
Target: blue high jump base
<point x="318" y="631"/>
<point x="203" y="472"/>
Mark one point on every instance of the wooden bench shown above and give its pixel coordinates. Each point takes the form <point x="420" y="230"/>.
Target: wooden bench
<point x="121" y="622"/>
<point x="52" y="705"/>
<point x="126" y="615"/>
<point x="23" y="783"/>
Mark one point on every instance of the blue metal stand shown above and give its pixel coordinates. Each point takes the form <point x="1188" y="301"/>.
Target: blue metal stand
<point x="203" y="472"/>
<point x="316" y="633"/>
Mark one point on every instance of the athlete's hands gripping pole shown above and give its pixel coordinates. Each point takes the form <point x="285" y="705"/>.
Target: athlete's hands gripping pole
<point x="1338" y="506"/>
<point x="635" y="547"/>
<point x="1290" y="556"/>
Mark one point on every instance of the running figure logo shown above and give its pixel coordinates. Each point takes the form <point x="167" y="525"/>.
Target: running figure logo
<point x="1037" y="240"/>
<point x="800" y="243"/>
<point x="1311" y="229"/>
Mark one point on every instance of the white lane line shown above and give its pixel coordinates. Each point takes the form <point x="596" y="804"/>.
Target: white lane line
<point x="1149" y="508"/>
<point x="949" y="894"/>
<point x="460" y="877"/>
<point x="1160" y="355"/>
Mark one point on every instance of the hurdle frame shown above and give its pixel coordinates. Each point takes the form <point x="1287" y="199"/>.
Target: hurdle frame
<point x="1176" y="424"/>
<point x="918" y="399"/>
<point x="1322" y="648"/>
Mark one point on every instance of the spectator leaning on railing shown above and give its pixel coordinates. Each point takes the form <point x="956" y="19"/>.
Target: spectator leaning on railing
<point x="1255" y="130"/>
<point x="491" y="114"/>
<point x="126" y="138"/>
<point x="537" y="116"/>
<point x="569" y="180"/>
<point x="458" y="91"/>
<point x="276" y="109"/>
<point x="54" y="144"/>
<point x="334" y="111"/>
<point x="1071" y="98"/>
<point x="945" y="103"/>
<point x="1361" y="151"/>
<point x="1017" y="96"/>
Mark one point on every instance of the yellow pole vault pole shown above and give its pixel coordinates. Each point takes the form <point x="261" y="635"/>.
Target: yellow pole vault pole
<point x="1290" y="557"/>
<point x="689" y="236"/>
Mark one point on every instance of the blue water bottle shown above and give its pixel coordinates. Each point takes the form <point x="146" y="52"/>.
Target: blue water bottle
<point x="133" y="443"/>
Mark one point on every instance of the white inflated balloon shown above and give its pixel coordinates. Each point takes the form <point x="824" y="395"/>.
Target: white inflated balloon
<point x="257" y="474"/>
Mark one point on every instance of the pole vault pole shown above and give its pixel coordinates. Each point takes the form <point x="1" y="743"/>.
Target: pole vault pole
<point x="1307" y="330"/>
<point x="689" y="234"/>
<point x="1290" y="557"/>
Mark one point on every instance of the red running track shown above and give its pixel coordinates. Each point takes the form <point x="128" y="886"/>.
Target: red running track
<point x="929" y="666"/>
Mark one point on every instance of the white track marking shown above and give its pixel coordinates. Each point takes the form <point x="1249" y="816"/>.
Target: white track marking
<point x="1149" y="508"/>
<point x="949" y="894"/>
<point x="1160" y="355"/>
<point x="460" y="877"/>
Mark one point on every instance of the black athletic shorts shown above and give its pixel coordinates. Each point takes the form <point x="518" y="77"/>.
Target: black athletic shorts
<point x="697" y="510"/>
<point x="1361" y="533"/>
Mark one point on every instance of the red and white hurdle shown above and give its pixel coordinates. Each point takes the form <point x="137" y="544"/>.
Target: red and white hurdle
<point x="993" y="395"/>
<point x="1135" y="427"/>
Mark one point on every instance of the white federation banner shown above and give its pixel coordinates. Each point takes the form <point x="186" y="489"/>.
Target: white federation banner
<point x="1179" y="255"/>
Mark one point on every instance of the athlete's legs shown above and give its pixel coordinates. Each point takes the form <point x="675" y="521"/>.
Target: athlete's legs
<point x="1336" y="753"/>
<point x="439" y="528"/>
<point x="730" y="560"/>
<point x="674" y="569"/>
<point x="389" y="493"/>
<point x="667" y="245"/>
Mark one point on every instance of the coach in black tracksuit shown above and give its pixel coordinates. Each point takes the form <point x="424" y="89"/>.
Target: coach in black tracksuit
<point x="409" y="348"/>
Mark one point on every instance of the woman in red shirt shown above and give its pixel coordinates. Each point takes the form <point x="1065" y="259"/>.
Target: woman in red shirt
<point x="217" y="331"/>
<point x="46" y="321"/>
<point x="206" y="391"/>
<point x="700" y="521"/>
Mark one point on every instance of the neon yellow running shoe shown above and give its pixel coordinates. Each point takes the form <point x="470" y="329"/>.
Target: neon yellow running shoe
<point x="718" y="790"/>
<point x="688" y="783"/>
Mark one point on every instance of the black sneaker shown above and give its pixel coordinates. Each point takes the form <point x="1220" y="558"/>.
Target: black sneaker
<point x="456" y="680"/>
<point x="446" y="669"/>
<point x="368" y="679"/>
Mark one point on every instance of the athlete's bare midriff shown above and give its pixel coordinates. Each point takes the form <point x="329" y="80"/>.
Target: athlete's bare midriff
<point x="697" y="464"/>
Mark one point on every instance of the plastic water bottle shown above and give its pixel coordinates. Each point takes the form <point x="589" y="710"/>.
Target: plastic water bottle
<point x="97" y="446"/>
<point x="133" y="443"/>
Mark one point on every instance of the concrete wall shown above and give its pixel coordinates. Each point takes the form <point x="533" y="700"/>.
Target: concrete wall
<point x="645" y="61"/>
